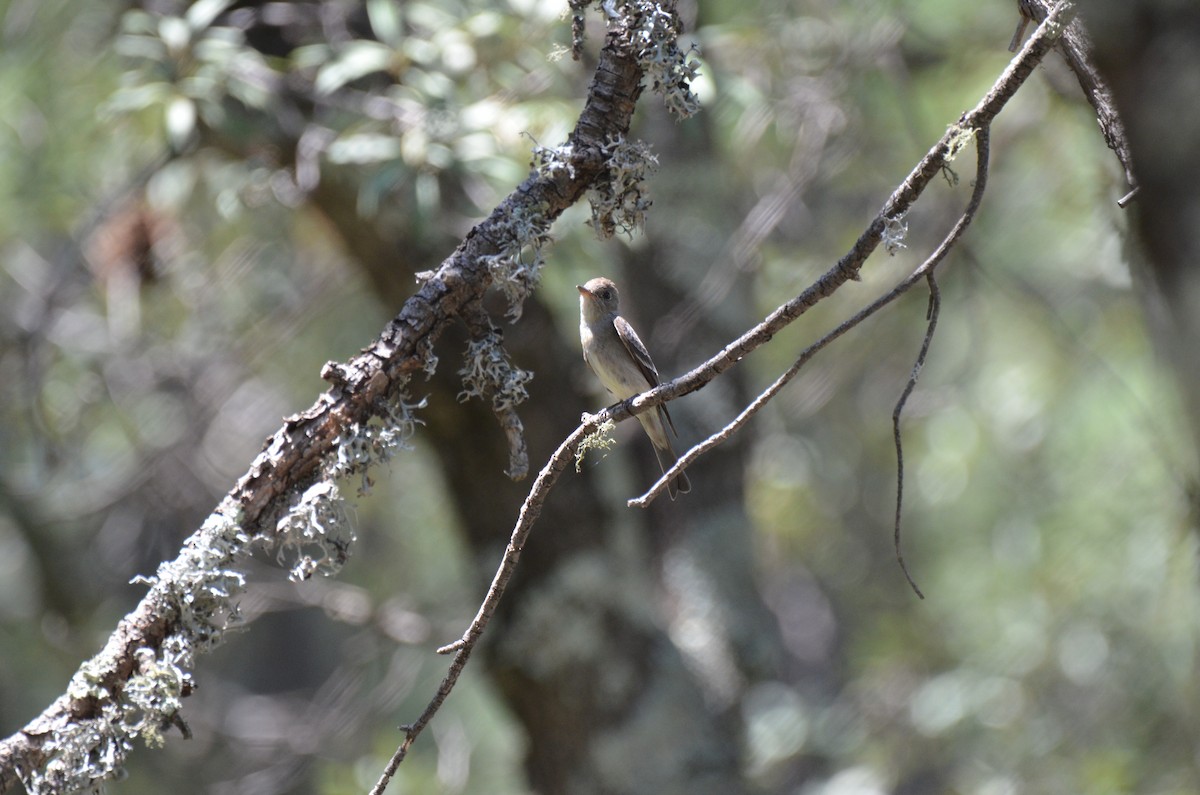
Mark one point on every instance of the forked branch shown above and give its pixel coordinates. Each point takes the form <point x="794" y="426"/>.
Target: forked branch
<point x="974" y="124"/>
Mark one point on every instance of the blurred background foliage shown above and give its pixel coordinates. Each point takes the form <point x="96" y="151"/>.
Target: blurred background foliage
<point x="172" y="278"/>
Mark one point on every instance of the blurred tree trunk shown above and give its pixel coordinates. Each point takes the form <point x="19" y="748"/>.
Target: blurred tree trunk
<point x="579" y="649"/>
<point x="1150" y="52"/>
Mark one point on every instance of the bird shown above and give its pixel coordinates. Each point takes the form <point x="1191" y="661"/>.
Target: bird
<point x="615" y="353"/>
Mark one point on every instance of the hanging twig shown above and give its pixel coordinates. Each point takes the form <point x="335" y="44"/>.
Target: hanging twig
<point x="462" y="648"/>
<point x="931" y="316"/>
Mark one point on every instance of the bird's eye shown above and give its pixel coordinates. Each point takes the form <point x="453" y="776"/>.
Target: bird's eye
<point x="606" y="295"/>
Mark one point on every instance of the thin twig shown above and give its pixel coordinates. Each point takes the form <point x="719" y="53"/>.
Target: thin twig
<point x="935" y="304"/>
<point x="983" y="152"/>
<point x="978" y="119"/>
<point x="982" y="139"/>
<point x="846" y="268"/>
<point x="531" y="509"/>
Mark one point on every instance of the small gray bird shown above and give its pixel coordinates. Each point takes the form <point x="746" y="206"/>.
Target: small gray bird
<point x="619" y="359"/>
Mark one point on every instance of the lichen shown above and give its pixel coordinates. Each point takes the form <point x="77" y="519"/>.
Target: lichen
<point x="516" y="267"/>
<point x="488" y="371"/>
<point x="895" y="229"/>
<point x="599" y="439"/>
<point x="315" y="535"/>
<point x="669" y="70"/>
<point x="200" y="588"/>
<point x="654" y="32"/>
<point x="550" y="161"/>
<point x="959" y="137"/>
<point x="619" y="201"/>
<point x="362" y="445"/>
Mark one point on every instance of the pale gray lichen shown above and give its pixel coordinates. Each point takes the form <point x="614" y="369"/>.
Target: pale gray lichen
<point x="200" y="587"/>
<point x="84" y="753"/>
<point x="200" y="583"/>
<point x="654" y="32"/>
<point x="669" y="69"/>
<point x="550" y="161"/>
<point x="488" y="371"/>
<point x="363" y="445"/>
<point x="619" y="202"/>
<point x="80" y="756"/>
<point x="516" y="268"/>
<point x="315" y="535"/>
<point x="429" y="359"/>
<point x="152" y="695"/>
<point x="895" y="229"/>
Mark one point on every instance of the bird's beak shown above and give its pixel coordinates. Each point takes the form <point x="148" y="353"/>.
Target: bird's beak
<point x="583" y="290"/>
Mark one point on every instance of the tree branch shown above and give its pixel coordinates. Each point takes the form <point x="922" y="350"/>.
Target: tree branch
<point x="982" y="137"/>
<point x="1076" y="48"/>
<point x="133" y="686"/>
<point x="935" y="304"/>
<point x="973" y="124"/>
<point x="531" y="509"/>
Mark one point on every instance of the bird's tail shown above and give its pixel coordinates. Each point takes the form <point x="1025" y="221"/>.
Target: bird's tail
<point x="666" y="459"/>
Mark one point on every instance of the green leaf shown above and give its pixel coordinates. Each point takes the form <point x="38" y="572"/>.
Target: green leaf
<point x="386" y="21"/>
<point x="202" y="13"/>
<point x="181" y="120"/>
<point x="175" y="32"/>
<point x="364" y="148"/>
<point x="357" y="60"/>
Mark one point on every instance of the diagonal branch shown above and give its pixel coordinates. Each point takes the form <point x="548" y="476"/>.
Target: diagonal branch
<point x="1076" y="48"/>
<point x="190" y="599"/>
<point x="847" y="268"/>
<point x="925" y="269"/>
<point x="531" y="509"/>
<point x="975" y="123"/>
<point x="897" y="205"/>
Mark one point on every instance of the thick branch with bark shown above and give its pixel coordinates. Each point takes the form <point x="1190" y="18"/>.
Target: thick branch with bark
<point x="84" y="735"/>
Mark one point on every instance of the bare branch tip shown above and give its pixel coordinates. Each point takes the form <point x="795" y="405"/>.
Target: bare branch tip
<point x="911" y="583"/>
<point x="1022" y="24"/>
<point x="451" y="648"/>
<point x="1124" y="201"/>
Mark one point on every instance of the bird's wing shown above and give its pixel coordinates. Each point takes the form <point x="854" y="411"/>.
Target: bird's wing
<point x="638" y="351"/>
